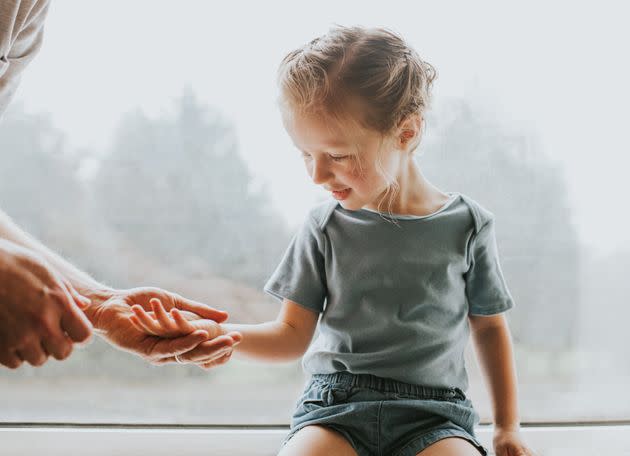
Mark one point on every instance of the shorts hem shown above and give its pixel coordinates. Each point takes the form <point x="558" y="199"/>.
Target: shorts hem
<point x="346" y="435"/>
<point x="421" y="443"/>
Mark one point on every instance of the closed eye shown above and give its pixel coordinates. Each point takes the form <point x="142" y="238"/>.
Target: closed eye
<point x="338" y="157"/>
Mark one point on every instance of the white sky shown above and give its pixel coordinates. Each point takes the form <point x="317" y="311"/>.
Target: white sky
<point x="559" y="69"/>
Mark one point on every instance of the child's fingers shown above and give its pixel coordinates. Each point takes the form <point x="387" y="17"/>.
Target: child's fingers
<point x="162" y="317"/>
<point x="136" y="323"/>
<point x="182" y="324"/>
<point x="149" y="324"/>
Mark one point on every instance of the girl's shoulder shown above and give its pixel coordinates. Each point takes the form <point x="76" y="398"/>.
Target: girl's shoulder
<point x="320" y="214"/>
<point x="480" y="215"/>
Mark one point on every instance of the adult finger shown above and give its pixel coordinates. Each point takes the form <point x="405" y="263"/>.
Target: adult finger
<point x="215" y="355"/>
<point x="222" y="360"/>
<point x="33" y="353"/>
<point x="59" y="347"/>
<point x="171" y="347"/>
<point x="209" y="349"/>
<point x="79" y="299"/>
<point x="10" y="360"/>
<point x="73" y="320"/>
<point x="200" y="309"/>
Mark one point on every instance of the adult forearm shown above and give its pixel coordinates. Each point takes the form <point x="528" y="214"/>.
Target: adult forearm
<point x="85" y="284"/>
<point x="496" y="356"/>
<point x="271" y="341"/>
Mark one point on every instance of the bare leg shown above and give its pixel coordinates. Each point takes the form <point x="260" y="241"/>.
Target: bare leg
<point x="317" y="441"/>
<point x="451" y="446"/>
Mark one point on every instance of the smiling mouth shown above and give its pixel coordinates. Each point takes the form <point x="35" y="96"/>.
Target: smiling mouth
<point x="340" y="194"/>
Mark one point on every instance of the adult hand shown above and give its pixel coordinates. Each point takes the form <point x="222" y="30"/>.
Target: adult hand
<point x="40" y="312"/>
<point x="111" y="309"/>
<point x="175" y="324"/>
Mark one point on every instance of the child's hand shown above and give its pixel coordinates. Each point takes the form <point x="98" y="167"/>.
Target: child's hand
<point x="171" y="325"/>
<point x="510" y="443"/>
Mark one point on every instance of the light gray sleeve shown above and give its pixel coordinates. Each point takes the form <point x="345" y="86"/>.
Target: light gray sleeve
<point x="300" y="276"/>
<point x="486" y="289"/>
<point x="21" y="35"/>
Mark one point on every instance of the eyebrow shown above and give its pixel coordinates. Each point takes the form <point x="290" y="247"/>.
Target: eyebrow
<point x="336" y="144"/>
<point x="332" y="144"/>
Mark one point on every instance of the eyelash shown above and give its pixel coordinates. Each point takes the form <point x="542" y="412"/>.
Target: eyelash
<point x="332" y="157"/>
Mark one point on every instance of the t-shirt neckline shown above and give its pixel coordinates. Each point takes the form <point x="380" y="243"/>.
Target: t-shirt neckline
<point x="452" y="197"/>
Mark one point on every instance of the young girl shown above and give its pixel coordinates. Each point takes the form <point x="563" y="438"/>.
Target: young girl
<point x="396" y="271"/>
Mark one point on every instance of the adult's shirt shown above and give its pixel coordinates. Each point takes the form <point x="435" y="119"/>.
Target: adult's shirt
<point x="394" y="294"/>
<point x="21" y="34"/>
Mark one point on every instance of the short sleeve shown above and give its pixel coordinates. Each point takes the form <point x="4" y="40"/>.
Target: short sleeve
<point x="300" y="276"/>
<point x="486" y="290"/>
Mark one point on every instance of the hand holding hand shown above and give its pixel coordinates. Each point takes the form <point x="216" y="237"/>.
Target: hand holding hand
<point x="40" y="312"/>
<point x="176" y="324"/>
<point x="112" y="309"/>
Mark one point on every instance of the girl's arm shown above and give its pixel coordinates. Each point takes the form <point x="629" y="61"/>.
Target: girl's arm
<point x="493" y="344"/>
<point x="284" y="339"/>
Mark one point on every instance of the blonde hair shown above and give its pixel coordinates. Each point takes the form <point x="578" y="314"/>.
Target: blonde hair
<point x="368" y="74"/>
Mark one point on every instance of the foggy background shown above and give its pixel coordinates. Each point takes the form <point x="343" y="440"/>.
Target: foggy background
<point x="145" y="145"/>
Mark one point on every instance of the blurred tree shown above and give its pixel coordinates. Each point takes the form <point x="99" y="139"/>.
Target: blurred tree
<point x="178" y="189"/>
<point x="39" y="187"/>
<point x="508" y="174"/>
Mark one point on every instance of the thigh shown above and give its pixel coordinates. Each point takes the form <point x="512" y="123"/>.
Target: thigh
<point x="317" y="441"/>
<point x="450" y="446"/>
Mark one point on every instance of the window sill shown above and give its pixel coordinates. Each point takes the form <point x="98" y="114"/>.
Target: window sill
<point x="95" y="440"/>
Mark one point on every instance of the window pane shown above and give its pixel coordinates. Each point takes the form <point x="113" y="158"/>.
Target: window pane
<point x="155" y="155"/>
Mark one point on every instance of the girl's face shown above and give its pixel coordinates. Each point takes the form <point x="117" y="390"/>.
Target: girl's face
<point x="348" y="161"/>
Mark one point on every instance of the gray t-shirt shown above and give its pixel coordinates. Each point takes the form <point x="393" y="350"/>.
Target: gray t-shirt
<point x="394" y="297"/>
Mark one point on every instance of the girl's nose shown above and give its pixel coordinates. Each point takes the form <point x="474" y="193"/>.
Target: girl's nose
<point x="320" y="172"/>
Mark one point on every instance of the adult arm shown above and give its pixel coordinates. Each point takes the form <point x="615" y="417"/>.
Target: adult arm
<point x="109" y="308"/>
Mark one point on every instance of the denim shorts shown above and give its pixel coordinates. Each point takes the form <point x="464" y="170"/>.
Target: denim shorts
<point x="379" y="416"/>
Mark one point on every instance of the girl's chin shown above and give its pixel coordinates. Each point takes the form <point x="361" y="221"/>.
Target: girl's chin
<point x="350" y="205"/>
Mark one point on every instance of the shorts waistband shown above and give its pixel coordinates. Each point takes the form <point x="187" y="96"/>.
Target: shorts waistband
<point x="388" y="385"/>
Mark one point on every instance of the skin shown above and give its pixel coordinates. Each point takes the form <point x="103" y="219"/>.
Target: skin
<point x="361" y="165"/>
<point x="112" y="314"/>
<point x="44" y="303"/>
<point x="47" y="305"/>
<point x="41" y="313"/>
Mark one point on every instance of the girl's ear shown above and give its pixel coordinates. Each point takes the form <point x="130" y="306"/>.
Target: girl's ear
<point x="409" y="130"/>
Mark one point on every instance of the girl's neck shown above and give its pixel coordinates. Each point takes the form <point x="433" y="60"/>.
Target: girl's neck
<point x="415" y="195"/>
